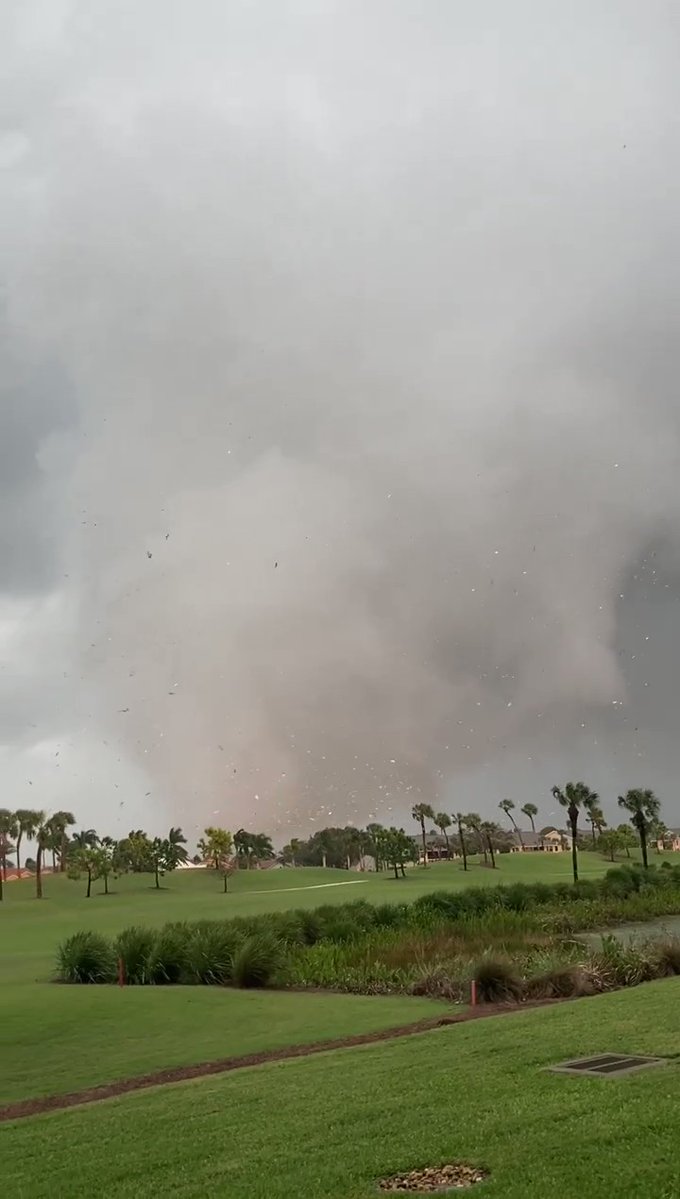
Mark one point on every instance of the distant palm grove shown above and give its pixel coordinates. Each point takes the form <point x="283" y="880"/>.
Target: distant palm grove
<point x="86" y="855"/>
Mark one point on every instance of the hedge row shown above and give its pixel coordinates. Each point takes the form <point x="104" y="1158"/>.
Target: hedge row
<point x="249" y="952"/>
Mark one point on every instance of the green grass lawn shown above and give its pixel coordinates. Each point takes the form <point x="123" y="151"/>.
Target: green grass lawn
<point x="328" y="1126"/>
<point x="64" y="1038"/>
<point x="57" y="1039"/>
<point x="31" y="930"/>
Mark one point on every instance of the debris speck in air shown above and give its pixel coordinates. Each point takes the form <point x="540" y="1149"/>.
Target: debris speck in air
<point x="149" y="554"/>
<point x="275" y="565"/>
<point x="167" y="536"/>
<point x="121" y="711"/>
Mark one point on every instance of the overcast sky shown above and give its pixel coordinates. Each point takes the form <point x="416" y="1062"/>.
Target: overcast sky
<point x="339" y="421"/>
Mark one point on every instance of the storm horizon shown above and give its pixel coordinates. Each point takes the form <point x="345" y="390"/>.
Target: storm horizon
<point x="339" y="436"/>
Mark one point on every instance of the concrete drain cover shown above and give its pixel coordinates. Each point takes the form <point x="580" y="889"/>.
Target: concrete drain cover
<point x="456" y="1176"/>
<point x="607" y="1064"/>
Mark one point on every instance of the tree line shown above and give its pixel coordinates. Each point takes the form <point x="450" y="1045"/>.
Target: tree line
<point x="86" y="854"/>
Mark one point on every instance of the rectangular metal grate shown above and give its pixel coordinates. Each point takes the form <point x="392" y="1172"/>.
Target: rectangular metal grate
<point x="607" y="1064"/>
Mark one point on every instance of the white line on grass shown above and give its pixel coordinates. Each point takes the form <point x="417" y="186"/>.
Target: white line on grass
<point x="352" y="882"/>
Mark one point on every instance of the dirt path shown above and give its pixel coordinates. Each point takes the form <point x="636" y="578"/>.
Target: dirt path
<point x="54" y="1103"/>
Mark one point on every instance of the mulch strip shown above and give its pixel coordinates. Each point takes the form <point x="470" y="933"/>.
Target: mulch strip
<point x="454" y="1177"/>
<point x="53" y="1103"/>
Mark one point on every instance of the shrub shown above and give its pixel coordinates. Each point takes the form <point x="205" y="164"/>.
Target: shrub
<point x="256" y="961"/>
<point x="209" y="952"/>
<point x="669" y="955"/>
<point x="497" y="981"/>
<point x="390" y="915"/>
<point x="517" y="897"/>
<point x="86" y="957"/>
<point x="310" y="927"/>
<point x="134" y="946"/>
<point x="562" y="982"/>
<point x="433" y="979"/>
<point x="166" y="962"/>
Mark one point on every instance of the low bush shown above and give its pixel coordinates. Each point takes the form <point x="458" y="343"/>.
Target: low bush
<point x="256" y="961"/>
<point x="497" y="981"/>
<point x="133" y="947"/>
<point x="209" y="954"/>
<point x="86" y="957"/>
<point x="167" y="960"/>
<point x="668" y="952"/>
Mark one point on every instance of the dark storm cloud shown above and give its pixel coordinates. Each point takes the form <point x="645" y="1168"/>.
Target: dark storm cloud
<point x="36" y="414"/>
<point x="371" y="313"/>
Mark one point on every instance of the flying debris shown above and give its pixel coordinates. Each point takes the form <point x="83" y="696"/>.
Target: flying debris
<point x="121" y="711"/>
<point x="149" y="554"/>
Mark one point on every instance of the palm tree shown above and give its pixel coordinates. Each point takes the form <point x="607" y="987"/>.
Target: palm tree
<point x="58" y="840"/>
<point x="442" y="821"/>
<point x="474" y="821"/>
<point x="28" y="821"/>
<point x="490" y="831"/>
<point x="530" y="811"/>
<point x="178" y="841"/>
<point x="9" y="828"/>
<point x="507" y="806"/>
<point x="294" y="849"/>
<point x="86" y="839"/>
<point x="42" y="835"/>
<point x="595" y="816"/>
<point x="460" y="822"/>
<point x="644" y="808"/>
<point x="574" y="797"/>
<point x="420" y="813"/>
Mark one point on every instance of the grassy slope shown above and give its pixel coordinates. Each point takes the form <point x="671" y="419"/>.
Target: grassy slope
<point x="64" y="1038"/>
<point x="58" y="1039"/>
<point x="30" y="930"/>
<point x="327" y="1127"/>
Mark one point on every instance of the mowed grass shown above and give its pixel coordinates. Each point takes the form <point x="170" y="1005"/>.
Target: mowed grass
<point x="57" y="1039"/>
<point x="329" y="1126"/>
<point x="31" y="930"/>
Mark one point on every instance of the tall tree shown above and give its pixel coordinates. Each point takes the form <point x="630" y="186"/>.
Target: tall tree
<point x="474" y="821"/>
<point x="28" y="820"/>
<point x="58" y="823"/>
<point x="420" y="813"/>
<point x="574" y="797"/>
<point x="460" y="819"/>
<point x="85" y="839"/>
<point x="595" y="815"/>
<point x="531" y="812"/>
<point x="508" y="806"/>
<point x="215" y="847"/>
<point x="644" y="808"/>
<point x="443" y="821"/>
<point x="42" y="835"/>
<point x="374" y="831"/>
<point x="163" y="857"/>
<point x="290" y="852"/>
<point x="397" y="849"/>
<point x="608" y="842"/>
<point x="90" y="861"/>
<point x="178" y="841"/>
<point x="490" y="831"/>
<point x="627" y="838"/>
<point x="9" y="830"/>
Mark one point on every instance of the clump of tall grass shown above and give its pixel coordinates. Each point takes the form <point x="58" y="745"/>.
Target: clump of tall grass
<point x="86" y="957"/>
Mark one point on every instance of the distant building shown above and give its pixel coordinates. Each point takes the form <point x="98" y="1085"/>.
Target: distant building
<point x="670" y="840"/>
<point x="549" y="840"/>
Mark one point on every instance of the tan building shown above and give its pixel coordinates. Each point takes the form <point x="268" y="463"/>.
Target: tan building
<point x="549" y="840"/>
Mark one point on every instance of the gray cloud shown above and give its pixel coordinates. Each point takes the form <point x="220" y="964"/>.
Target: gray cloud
<point x="370" y="321"/>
